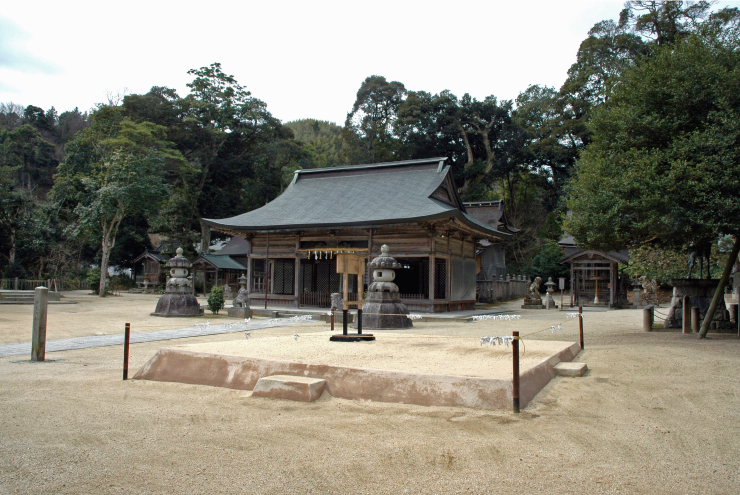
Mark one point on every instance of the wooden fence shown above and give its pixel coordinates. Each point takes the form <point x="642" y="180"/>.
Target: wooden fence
<point x="52" y="284"/>
<point x="500" y="290"/>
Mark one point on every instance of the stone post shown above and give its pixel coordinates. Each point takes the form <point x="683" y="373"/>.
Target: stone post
<point x="15" y="284"/>
<point x="695" y="320"/>
<point x="686" y="314"/>
<point x="733" y="312"/>
<point x="647" y="319"/>
<point x="38" y="339"/>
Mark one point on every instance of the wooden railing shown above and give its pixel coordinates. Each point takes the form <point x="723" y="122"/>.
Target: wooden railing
<point x="321" y="299"/>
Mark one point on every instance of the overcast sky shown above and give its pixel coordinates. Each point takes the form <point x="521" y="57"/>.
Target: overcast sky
<point x="305" y="59"/>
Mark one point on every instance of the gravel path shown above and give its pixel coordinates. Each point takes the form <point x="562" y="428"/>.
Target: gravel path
<point x="24" y="348"/>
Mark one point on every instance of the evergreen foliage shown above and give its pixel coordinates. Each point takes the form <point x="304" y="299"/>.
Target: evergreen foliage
<point x="216" y="299"/>
<point x="644" y="129"/>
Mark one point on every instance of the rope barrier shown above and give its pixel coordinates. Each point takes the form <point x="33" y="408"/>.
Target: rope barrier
<point x="664" y="316"/>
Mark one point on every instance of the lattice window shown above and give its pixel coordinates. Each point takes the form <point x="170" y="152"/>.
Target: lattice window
<point x="335" y="281"/>
<point x="424" y="276"/>
<point x="440" y="279"/>
<point x="306" y="275"/>
<point x="322" y="277"/>
<point x="283" y="277"/>
<point x="259" y="275"/>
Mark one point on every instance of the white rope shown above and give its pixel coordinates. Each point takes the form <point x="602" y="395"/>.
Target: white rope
<point x="496" y="317"/>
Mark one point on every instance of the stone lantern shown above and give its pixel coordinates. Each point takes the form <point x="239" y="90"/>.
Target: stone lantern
<point x="549" y="301"/>
<point x="178" y="298"/>
<point x="383" y="307"/>
<point x="636" y="286"/>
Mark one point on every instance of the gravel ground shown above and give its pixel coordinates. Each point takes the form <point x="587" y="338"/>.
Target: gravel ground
<point x="657" y="413"/>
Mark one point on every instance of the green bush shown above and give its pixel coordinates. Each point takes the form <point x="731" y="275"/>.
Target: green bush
<point x="216" y="299"/>
<point x="121" y="282"/>
<point x="93" y="278"/>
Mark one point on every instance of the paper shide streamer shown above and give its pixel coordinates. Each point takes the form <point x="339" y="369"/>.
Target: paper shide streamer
<point x="496" y="340"/>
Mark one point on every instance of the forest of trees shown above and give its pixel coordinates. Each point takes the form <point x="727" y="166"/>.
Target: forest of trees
<point x="81" y="189"/>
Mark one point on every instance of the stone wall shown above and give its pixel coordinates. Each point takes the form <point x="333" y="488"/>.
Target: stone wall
<point x="701" y="293"/>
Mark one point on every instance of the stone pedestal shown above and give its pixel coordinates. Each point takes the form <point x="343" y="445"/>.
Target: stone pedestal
<point x="384" y="310"/>
<point x="178" y="305"/>
<point x="700" y="293"/>
<point x="239" y="312"/>
<point x="534" y="305"/>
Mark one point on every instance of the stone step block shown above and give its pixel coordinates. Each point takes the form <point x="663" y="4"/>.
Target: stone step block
<point x="289" y="387"/>
<point x="571" y="369"/>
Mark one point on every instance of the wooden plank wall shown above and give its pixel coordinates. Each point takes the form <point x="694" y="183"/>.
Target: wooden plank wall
<point x="403" y="242"/>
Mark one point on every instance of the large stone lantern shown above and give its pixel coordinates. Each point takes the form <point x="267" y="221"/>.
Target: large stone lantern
<point x="383" y="308"/>
<point x="178" y="299"/>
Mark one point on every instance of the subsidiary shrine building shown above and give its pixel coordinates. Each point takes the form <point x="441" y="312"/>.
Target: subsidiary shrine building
<point x="412" y="206"/>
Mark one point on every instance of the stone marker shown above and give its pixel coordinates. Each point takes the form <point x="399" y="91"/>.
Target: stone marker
<point x="38" y="340"/>
<point x="289" y="387"/>
<point x="647" y="319"/>
<point x="695" y="319"/>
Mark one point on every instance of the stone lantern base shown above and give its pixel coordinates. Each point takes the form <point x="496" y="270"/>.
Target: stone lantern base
<point x="384" y="310"/>
<point x="174" y="304"/>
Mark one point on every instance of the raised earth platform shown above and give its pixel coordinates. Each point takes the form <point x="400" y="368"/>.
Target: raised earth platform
<point x="423" y="370"/>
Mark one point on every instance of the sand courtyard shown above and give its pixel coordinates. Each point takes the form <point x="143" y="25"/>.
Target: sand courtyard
<point x="656" y="413"/>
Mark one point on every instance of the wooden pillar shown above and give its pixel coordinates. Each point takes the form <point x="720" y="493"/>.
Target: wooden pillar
<point x="267" y="269"/>
<point x="250" y="283"/>
<point x="369" y="256"/>
<point x="572" y="285"/>
<point x="612" y="286"/>
<point x="686" y="322"/>
<point x="432" y="268"/>
<point x="448" y="268"/>
<point x="297" y="273"/>
<point x="38" y="337"/>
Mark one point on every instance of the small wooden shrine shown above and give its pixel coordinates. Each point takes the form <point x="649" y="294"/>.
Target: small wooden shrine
<point x="594" y="275"/>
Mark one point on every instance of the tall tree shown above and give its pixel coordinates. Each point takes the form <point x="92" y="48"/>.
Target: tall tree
<point x="114" y="169"/>
<point x="219" y="128"/>
<point x="16" y="205"/>
<point x="368" y="129"/>
<point x="664" y="163"/>
<point x="24" y="148"/>
<point x="482" y="125"/>
<point x="665" y="22"/>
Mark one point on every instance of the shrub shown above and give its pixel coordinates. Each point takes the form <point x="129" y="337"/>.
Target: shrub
<point x="216" y="299"/>
<point x="93" y="278"/>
